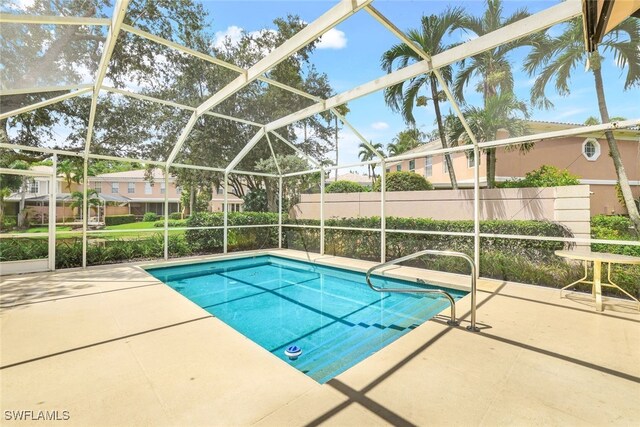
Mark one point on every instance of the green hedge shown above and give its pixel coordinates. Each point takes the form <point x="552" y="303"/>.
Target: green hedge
<point x="344" y="186"/>
<point x="150" y="216"/>
<point x="403" y="181"/>
<point x="212" y="241"/>
<point x="119" y="219"/>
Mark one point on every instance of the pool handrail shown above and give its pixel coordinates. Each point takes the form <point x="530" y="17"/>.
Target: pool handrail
<point x="452" y="321"/>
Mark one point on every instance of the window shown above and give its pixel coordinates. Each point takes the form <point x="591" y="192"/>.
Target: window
<point x="220" y="190"/>
<point x="399" y="167"/>
<point x="591" y="149"/>
<point x="162" y="188"/>
<point x="470" y="159"/>
<point x="131" y="187"/>
<point x="428" y="166"/>
<point x="33" y="186"/>
<point x="147" y="188"/>
<point x="388" y="170"/>
<point x="412" y="165"/>
<point x="97" y="186"/>
<point x="178" y="189"/>
<point x="115" y="188"/>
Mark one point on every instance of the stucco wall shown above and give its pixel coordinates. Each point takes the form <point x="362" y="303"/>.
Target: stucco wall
<point x="568" y="205"/>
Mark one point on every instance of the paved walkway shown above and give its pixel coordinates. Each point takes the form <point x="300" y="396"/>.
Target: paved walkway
<point x="113" y="346"/>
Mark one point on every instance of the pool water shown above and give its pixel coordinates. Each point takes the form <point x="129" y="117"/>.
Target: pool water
<point x="330" y="313"/>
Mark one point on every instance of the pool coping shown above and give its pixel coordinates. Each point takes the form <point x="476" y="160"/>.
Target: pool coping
<point x="136" y="352"/>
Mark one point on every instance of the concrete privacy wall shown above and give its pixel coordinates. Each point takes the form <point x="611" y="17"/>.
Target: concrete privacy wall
<point x="568" y="205"/>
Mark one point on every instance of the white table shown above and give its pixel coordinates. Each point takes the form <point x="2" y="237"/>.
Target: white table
<point x="598" y="258"/>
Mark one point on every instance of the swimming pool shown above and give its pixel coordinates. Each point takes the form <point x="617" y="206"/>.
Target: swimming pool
<point x="330" y="313"/>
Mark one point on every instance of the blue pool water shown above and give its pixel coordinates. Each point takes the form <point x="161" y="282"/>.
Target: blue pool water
<point x="330" y="313"/>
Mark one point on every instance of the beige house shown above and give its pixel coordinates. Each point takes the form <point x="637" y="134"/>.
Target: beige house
<point x="145" y="192"/>
<point x="120" y="193"/>
<point x="586" y="156"/>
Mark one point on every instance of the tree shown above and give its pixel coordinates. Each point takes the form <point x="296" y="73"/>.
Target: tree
<point x="555" y="58"/>
<point x="71" y="171"/>
<point x="366" y="154"/>
<point x="405" y="140"/>
<point x="78" y="200"/>
<point x="501" y="112"/>
<point x="293" y="186"/>
<point x="492" y="66"/>
<point x="10" y="184"/>
<point x="430" y="38"/>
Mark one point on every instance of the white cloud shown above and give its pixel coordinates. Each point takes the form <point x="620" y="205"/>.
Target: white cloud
<point x="332" y="39"/>
<point x="380" y="125"/>
<point x="233" y="33"/>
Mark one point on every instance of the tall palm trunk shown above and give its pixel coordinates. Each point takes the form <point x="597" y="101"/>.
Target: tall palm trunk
<point x="441" y="131"/>
<point x="613" y="145"/>
<point x="491" y="168"/>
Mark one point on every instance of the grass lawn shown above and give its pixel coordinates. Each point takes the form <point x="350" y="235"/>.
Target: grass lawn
<point x="121" y="227"/>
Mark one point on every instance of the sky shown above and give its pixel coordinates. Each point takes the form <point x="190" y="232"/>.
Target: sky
<point x="350" y="55"/>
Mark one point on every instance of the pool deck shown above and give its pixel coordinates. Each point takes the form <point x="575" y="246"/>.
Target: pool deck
<point x="114" y="346"/>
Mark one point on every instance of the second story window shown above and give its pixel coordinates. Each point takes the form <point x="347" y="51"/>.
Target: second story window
<point x="428" y="166"/>
<point x="412" y="165"/>
<point x="33" y="186"/>
<point x="162" y="188"/>
<point x="115" y="187"/>
<point x="398" y="167"/>
<point x="148" y="188"/>
<point x="97" y="186"/>
<point x="131" y="187"/>
<point x="178" y="189"/>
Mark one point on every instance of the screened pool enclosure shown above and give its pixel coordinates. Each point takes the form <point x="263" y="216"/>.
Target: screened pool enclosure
<point x="67" y="78"/>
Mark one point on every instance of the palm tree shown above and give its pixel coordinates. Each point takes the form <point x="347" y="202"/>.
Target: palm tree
<point x="430" y="38"/>
<point x="366" y="154"/>
<point x="71" y="172"/>
<point x="405" y="140"/>
<point x="556" y="57"/>
<point x="501" y="112"/>
<point x="492" y="66"/>
<point x="78" y="199"/>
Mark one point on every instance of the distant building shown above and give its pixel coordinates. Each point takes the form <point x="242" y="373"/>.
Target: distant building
<point x="586" y="156"/>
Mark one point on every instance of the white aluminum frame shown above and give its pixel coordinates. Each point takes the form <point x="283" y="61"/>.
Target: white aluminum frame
<point x="343" y="10"/>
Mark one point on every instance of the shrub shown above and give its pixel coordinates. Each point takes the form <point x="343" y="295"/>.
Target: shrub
<point x="545" y="176"/>
<point x="9" y="221"/>
<point x="175" y="215"/>
<point x="344" y="186"/>
<point x="150" y="216"/>
<point x="119" y="219"/>
<point x="212" y="240"/>
<point x="403" y="181"/>
<point x="256" y="201"/>
<point x="614" y="227"/>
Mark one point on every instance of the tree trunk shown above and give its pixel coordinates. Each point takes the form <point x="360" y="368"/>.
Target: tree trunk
<point x="192" y="199"/>
<point x="627" y="195"/>
<point x="21" y="213"/>
<point x="441" y="131"/>
<point x="491" y="168"/>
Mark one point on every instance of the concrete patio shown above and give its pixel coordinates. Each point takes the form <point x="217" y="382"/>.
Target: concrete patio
<point x="113" y="346"/>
